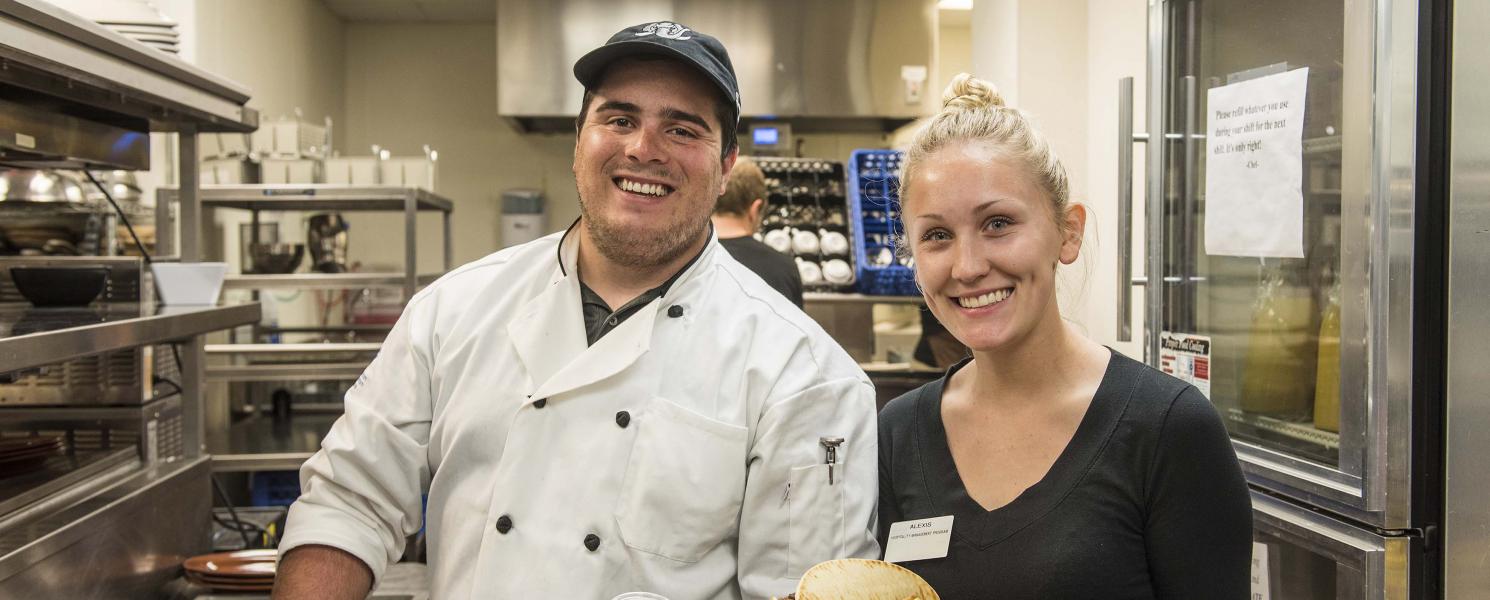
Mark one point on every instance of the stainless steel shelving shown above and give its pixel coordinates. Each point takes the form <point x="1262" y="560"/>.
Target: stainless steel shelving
<point x="266" y="444"/>
<point x="72" y="333"/>
<point x="75" y="85"/>
<point x="322" y="281"/>
<point x="265" y="363"/>
<point x="323" y="196"/>
<point x="257" y="198"/>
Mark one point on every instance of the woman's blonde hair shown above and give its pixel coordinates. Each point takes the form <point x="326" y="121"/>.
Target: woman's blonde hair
<point x="973" y="111"/>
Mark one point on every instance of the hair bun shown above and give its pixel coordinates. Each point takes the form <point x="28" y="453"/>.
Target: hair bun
<point x="970" y="93"/>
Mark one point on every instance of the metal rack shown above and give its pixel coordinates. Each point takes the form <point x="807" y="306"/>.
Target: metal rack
<point x="255" y="443"/>
<point x="80" y="96"/>
<point x="334" y="197"/>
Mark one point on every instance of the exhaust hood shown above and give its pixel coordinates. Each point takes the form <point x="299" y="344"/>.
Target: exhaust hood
<point x="819" y="64"/>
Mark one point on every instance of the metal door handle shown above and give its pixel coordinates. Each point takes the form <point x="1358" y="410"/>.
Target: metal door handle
<point x="1126" y="137"/>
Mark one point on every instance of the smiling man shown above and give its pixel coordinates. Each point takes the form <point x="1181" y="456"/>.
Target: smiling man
<point x="618" y="407"/>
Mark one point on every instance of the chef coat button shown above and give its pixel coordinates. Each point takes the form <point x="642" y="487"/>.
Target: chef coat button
<point x="540" y="403"/>
<point x="592" y="542"/>
<point x="504" y="524"/>
<point x="623" y="419"/>
<point x="674" y="311"/>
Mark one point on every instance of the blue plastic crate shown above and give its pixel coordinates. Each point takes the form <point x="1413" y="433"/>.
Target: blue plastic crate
<point x="274" y="488"/>
<point x="874" y="206"/>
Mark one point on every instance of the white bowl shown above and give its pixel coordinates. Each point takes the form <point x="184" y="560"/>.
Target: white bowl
<point x="189" y="283"/>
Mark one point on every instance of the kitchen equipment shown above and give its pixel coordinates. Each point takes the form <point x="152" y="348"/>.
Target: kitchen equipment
<point x="290" y="170"/>
<point x="838" y="271"/>
<point x="779" y="240"/>
<point x="35" y="185"/>
<point x="22" y="455"/>
<point x="327" y="237"/>
<point x="278" y="258"/>
<point x="189" y="284"/>
<point x="409" y="171"/>
<point x="851" y="63"/>
<point x="74" y="285"/>
<point x="292" y="137"/>
<point x="354" y="170"/>
<point x="874" y="188"/>
<point x="811" y="272"/>
<point x="805" y="242"/>
<point x="806" y="207"/>
<point x="834" y="243"/>
<point x="1362" y="499"/>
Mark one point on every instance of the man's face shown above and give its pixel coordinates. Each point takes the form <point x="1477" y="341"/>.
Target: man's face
<point x="647" y="161"/>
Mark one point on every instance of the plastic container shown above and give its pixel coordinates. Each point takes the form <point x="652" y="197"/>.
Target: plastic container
<point x="274" y="488"/>
<point x="189" y="284"/>
<point x="874" y="205"/>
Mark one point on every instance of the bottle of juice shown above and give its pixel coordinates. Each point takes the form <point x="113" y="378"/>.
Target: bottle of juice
<point x="1327" y="374"/>
<point x="1278" y="374"/>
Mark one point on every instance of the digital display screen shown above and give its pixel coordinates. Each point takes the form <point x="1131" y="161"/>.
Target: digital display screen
<point x="766" y="136"/>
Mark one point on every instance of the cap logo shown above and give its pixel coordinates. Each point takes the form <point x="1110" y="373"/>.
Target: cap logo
<point x="665" y="29"/>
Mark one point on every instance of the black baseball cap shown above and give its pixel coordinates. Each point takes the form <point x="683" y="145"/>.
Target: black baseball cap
<point x="665" y="38"/>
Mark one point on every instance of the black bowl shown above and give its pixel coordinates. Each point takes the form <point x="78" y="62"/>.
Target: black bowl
<point x="74" y="285"/>
<point x="275" y="258"/>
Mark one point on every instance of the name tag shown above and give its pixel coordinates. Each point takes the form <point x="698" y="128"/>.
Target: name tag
<point x="919" y="540"/>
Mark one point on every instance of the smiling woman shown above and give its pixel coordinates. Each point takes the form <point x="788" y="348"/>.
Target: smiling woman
<point x="1068" y="470"/>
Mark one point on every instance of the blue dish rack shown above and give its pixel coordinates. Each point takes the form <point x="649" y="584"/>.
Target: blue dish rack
<point x="874" y="204"/>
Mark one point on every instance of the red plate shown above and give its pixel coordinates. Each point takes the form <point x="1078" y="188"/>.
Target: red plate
<point x="243" y="563"/>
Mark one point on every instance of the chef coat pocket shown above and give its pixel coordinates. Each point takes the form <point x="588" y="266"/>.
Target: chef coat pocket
<point x="684" y="483"/>
<point x="817" y="518"/>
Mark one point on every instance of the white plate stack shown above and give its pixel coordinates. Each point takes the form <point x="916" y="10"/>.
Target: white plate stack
<point x="138" y="20"/>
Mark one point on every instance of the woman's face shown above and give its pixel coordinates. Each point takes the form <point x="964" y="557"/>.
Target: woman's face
<point x="986" y="245"/>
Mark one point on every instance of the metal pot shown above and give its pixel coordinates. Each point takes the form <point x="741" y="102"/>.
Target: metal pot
<point x="29" y="185"/>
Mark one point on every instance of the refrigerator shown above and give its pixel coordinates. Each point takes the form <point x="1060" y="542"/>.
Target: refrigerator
<point x="1292" y="256"/>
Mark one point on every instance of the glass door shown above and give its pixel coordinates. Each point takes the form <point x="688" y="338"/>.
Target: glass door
<point x="1273" y="182"/>
<point x="1299" y="554"/>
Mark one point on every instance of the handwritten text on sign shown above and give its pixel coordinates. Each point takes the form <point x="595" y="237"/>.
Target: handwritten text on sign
<point x="1254" y="202"/>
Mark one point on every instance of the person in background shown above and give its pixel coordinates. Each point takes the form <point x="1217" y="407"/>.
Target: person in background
<point x="1070" y="470"/>
<point x="738" y="215"/>
<point x="618" y="407"/>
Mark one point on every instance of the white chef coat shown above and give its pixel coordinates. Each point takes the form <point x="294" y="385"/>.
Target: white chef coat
<point x="680" y="454"/>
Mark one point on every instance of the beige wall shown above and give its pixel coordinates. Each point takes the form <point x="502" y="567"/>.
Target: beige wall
<point x="1117" y="37"/>
<point x="289" y="52"/>
<point x="411" y="84"/>
<point x="1059" y="60"/>
<point x="954" y="50"/>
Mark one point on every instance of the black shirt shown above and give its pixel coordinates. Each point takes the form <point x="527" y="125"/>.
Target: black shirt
<point x="1147" y="500"/>
<point x="600" y="319"/>
<point x="775" y="268"/>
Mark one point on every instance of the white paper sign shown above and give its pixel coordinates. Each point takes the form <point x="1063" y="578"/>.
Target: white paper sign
<point x="1254" y="200"/>
<point x="1260" y="588"/>
<point x="1188" y="358"/>
<point x="919" y="540"/>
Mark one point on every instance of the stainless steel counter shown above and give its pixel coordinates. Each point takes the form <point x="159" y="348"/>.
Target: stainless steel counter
<point x="124" y="536"/>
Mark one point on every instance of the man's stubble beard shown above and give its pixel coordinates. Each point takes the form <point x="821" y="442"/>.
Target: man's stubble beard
<point x="637" y="248"/>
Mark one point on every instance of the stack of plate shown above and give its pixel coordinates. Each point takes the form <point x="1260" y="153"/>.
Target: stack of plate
<point x="135" y="19"/>
<point x="241" y="571"/>
<point x="19" y="456"/>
